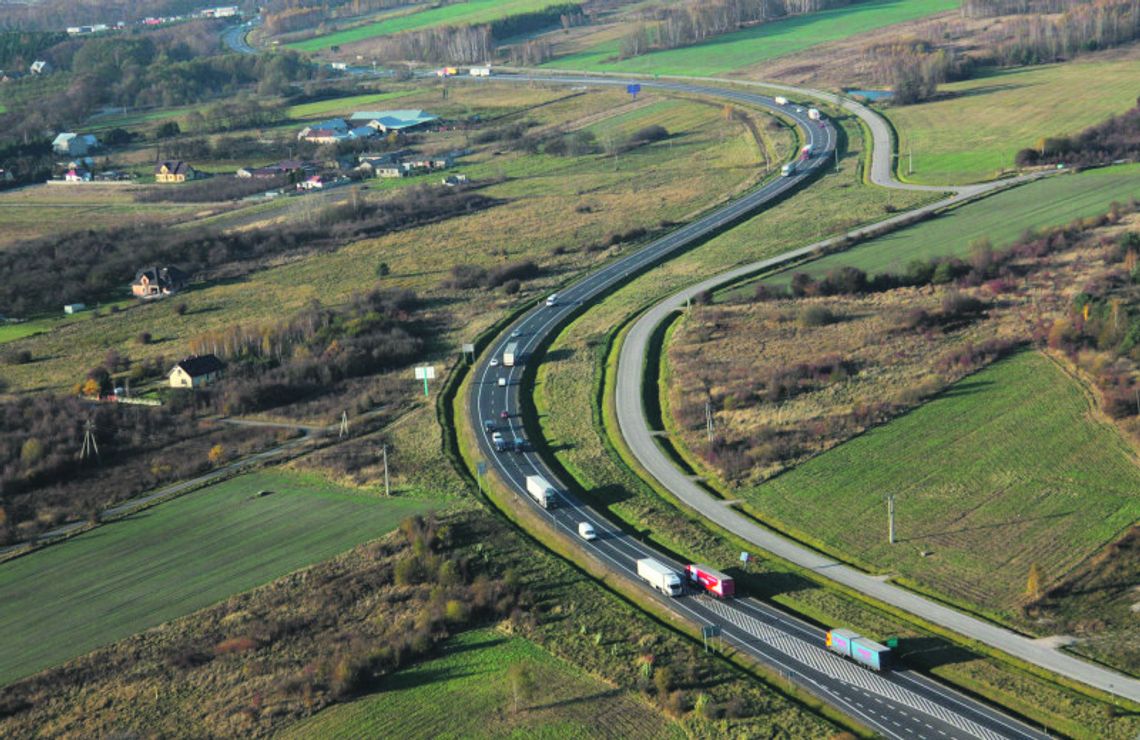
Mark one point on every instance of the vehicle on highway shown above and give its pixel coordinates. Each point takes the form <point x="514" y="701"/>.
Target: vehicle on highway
<point x="866" y="653"/>
<point x="586" y="531"/>
<point x="541" y="491"/>
<point x="489" y="425"/>
<point x="504" y="414"/>
<point x="494" y="362"/>
<point x="805" y="153"/>
<point x="499" y="441"/>
<point x="788" y="169"/>
<point x="711" y="581"/>
<point x="520" y="444"/>
<point x="516" y="334"/>
<point x="511" y="354"/>
<point x="552" y="299"/>
<point x="814" y="114"/>
<point x="660" y="576"/>
<point x="502" y="382"/>
<point x="780" y="100"/>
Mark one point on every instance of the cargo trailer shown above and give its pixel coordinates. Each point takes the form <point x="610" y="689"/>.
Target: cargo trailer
<point x="866" y="653"/>
<point x="660" y="576"/>
<point x="511" y="354"/>
<point x="541" y="491"/>
<point x="711" y="581"/>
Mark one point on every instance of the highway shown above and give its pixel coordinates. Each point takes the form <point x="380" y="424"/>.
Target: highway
<point x="896" y="704"/>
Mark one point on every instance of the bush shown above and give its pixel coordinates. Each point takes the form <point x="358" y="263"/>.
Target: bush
<point x="649" y="134"/>
<point x="815" y="316"/>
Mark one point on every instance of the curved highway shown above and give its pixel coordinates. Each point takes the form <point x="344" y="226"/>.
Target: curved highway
<point x="896" y="704"/>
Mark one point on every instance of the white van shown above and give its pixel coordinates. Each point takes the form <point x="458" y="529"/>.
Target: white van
<point x="552" y="299"/>
<point x="586" y="531"/>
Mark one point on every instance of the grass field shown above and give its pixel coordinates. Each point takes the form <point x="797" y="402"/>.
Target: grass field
<point x="465" y="693"/>
<point x="988" y="478"/>
<point x="472" y="11"/>
<point x="347" y="105"/>
<point x="175" y="558"/>
<point x="976" y="131"/>
<point x="1001" y="218"/>
<point x="734" y="51"/>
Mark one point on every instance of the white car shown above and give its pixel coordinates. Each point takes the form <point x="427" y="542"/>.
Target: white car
<point x="552" y="299"/>
<point x="494" y="362"/>
<point x="502" y="382"/>
<point x="586" y="531"/>
<point x="516" y="334"/>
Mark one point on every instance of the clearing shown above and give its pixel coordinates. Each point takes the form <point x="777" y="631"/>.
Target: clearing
<point x="976" y="129"/>
<point x="173" y="559"/>
<point x="466" y="692"/>
<point x="734" y="51"/>
<point x="988" y="478"/>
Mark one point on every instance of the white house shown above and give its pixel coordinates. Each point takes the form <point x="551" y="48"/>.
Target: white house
<point x="195" y="371"/>
<point x="74" y="145"/>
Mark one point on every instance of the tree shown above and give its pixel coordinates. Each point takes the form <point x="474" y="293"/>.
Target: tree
<point x="90" y="388"/>
<point x="32" y="451"/>
<point x="382" y="270"/>
<point x="1033" y="582"/>
<point x="217" y="454"/>
<point x="520" y="677"/>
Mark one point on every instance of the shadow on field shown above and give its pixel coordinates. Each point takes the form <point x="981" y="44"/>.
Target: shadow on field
<point x="933" y="536"/>
<point x="609" y="694"/>
<point x="983" y="90"/>
<point x="968" y="388"/>
<point x="932" y="652"/>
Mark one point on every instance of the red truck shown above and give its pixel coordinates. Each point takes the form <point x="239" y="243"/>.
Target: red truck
<point x="711" y="581"/>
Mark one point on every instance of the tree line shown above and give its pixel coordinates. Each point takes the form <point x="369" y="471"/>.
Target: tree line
<point x="1115" y="139"/>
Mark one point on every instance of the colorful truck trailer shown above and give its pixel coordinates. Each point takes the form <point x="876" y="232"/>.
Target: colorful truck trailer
<point x="711" y="581"/>
<point x="867" y="653"/>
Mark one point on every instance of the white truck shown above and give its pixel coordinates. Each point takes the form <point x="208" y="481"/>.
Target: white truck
<point x="541" y="491"/>
<point x="788" y="169"/>
<point x="660" y="576"/>
<point x="814" y="114"/>
<point x="781" y="100"/>
<point x="511" y="354"/>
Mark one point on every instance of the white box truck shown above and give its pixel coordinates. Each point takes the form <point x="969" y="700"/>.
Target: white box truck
<point x="781" y="100"/>
<point x="541" y="491"/>
<point x="511" y="354"/>
<point x="660" y="576"/>
<point x="814" y="114"/>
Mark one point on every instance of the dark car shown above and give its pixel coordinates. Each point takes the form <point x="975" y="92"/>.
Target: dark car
<point x="489" y="425"/>
<point x="505" y="414"/>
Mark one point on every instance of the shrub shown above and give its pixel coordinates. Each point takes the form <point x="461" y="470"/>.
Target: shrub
<point x="815" y="316"/>
<point x="235" y="645"/>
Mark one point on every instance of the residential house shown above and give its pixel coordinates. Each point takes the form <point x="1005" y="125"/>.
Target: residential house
<point x="195" y="371"/>
<point x="41" y="67"/>
<point x="316" y="182"/>
<point x="362" y="132"/>
<point x="389" y="170"/>
<point x="71" y="308"/>
<point x="155" y="282"/>
<point x="77" y="174"/>
<point x="74" y="145"/>
<point x="284" y="167"/>
<point x="175" y="172"/>
<point x="325" y="132"/>
<point x="393" y="120"/>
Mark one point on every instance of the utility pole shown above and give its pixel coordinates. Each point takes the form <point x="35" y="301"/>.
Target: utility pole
<point x="343" y="424"/>
<point x="387" y="487"/>
<point x="710" y="421"/>
<point x="90" y="446"/>
<point x="837" y="159"/>
<point x="891" y="518"/>
<point x="910" y="154"/>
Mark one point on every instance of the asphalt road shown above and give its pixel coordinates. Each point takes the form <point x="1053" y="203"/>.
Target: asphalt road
<point x="897" y="704"/>
<point x="234" y="37"/>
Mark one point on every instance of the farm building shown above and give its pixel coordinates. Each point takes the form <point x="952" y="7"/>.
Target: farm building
<point x="196" y="371"/>
<point x="74" y="145"/>
<point x="393" y="120"/>
<point x="154" y="282"/>
<point x="325" y="132"/>
<point x="174" y="172"/>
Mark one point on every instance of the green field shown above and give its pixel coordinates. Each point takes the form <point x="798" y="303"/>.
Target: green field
<point x="1001" y="218"/>
<point x="988" y="478"/>
<point x="751" y="46"/>
<point x="349" y="104"/>
<point x="472" y="11"/>
<point x="465" y="693"/>
<point x="172" y="559"/>
<point x="975" y="133"/>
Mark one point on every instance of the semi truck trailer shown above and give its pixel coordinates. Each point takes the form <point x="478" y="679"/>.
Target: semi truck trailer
<point x="866" y="653"/>
<point x="660" y="576"/>
<point x="511" y="354"/>
<point x="710" y="581"/>
<point x="541" y="491"/>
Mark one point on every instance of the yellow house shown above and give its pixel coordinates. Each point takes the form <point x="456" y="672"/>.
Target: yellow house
<point x="174" y="172"/>
<point x="196" y="371"/>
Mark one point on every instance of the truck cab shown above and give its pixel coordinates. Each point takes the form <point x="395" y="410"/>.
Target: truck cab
<point x="499" y="441"/>
<point x="788" y="169"/>
<point x="489" y="425"/>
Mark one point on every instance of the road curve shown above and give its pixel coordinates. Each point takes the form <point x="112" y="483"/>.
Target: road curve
<point x="897" y="704"/>
<point x="634" y="428"/>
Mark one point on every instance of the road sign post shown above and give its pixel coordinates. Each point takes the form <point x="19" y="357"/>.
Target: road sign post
<point x="709" y="631"/>
<point x="425" y="373"/>
<point x="469" y="351"/>
<point x="633" y="89"/>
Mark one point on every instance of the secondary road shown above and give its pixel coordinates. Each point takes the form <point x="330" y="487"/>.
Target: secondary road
<point x="897" y="704"/>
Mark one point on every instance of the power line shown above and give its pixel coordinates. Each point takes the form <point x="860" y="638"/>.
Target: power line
<point x="90" y="445"/>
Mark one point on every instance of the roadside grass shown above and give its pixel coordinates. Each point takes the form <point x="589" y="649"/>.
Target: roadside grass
<point x="750" y="46"/>
<point x="466" y="692"/>
<point x="701" y="162"/>
<point x="346" y="104"/>
<point x="975" y="128"/>
<point x="173" y="559"/>
<point x="470" y="12"/>
<point x="989" y="479"/>
<point x="569" y="378"/>
<point x="1001" y="218"/>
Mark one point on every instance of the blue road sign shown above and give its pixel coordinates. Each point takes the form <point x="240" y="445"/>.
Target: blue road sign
<point x="633" y="89"/>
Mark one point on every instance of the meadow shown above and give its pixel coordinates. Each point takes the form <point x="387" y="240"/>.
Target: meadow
<point x="1001" y="218"/>
<point x="466" y="692"/>
<point x="751" y="46"/>
<point x="988" y="477"/>
<point x="173" y="559"/>
<point x="975" y="128"/>
<point x="704" y="159"/>
<point x="468" y="13"/>
<point x="344" y="105"/>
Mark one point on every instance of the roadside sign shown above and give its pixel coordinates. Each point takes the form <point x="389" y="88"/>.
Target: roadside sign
<point x="633" y="89"/>
<point x="481" y="468"/>
<point x="425" y="372"/>
<point x="744" y="557"/>
<point x="710" y="630"/>
<point x="892" y="642"/>
<point x="468" y="348"/>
